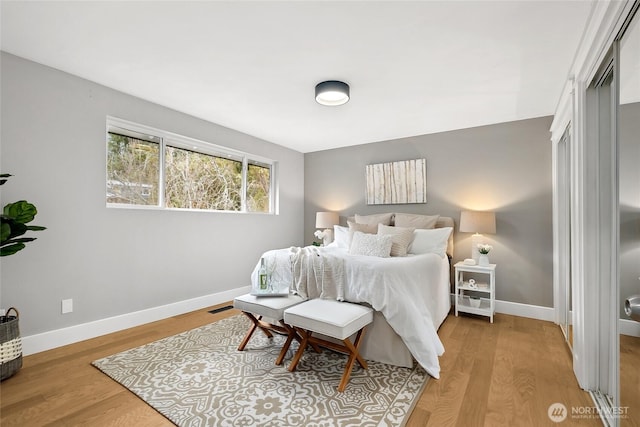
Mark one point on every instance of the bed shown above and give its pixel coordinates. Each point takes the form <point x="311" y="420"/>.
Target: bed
<point x="410" y="294"/>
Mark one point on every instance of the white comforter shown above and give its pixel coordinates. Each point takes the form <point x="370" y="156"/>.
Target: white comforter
<point x="394" y="286"/>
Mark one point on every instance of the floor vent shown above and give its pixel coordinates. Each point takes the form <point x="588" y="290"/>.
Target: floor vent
<point x="218" y="310"/>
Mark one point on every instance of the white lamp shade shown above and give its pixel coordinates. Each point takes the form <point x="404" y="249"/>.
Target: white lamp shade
<point x="327" y="219"/>
<point x="477" y="222"/>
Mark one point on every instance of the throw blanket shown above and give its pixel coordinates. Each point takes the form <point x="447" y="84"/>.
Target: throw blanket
<point x="316" y="275"/>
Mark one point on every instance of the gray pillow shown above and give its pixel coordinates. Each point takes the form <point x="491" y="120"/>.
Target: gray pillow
<point x="376" y="219"/>
<point x="402" y="238"/>
<point x="416" y="221"/>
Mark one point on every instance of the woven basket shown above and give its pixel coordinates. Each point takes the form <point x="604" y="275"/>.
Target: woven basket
<point x="10" y="345"/>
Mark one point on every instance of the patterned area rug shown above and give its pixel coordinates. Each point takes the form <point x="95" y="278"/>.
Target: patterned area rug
<point x="198" y="378"/>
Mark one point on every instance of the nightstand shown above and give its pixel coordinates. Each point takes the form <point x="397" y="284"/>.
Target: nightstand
<point x="487" y="291"/>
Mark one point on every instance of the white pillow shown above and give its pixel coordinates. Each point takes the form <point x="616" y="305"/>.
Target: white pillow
<point x="402" y="238"/>
<point x="376" y="219"/>
<point x="341" y="236"/>
<point x="371" y="244"/>
<point x="431" y="241"/>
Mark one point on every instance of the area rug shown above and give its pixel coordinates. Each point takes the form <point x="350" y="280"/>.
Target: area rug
<point x="198" y="378"/>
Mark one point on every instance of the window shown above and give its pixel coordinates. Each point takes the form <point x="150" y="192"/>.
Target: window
<point x="258" y="187"/>
<point x="202" y="181"/>
<point x="151" y="168"/>
<point x="133" y="169"/>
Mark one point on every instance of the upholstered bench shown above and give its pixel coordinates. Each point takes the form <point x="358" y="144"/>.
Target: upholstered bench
<point x="335" y="319"/>
<point x="272" y="308"/>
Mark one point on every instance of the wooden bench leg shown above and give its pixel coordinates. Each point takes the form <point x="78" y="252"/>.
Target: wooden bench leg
<point x="303" y="344"/>
<point x="354" y="354"/>
<point x="252" y="328"/>
<point x="312" y="343"/>
<point x="247" y="337"/>
<point x="315" y="347"/>
<point x="291" y="335"/>
<point x="351" y="348"/>
<point x="361" y="361"/>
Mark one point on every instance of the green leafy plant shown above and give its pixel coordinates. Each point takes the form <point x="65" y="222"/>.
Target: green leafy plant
<point x="13" y="224"/>
<point x="484" y="249"/>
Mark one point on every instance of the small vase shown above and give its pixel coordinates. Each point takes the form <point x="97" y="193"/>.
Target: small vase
<point x="483" y="260"/>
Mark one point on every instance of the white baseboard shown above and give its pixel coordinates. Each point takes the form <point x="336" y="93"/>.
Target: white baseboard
<point x="525" y="310"/>
<point x="47" y="340"/>
<point x="629" y="327"/>
<point x="522" y="310"/>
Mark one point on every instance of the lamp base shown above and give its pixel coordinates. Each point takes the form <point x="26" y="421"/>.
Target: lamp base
<point x="476" y="240"/>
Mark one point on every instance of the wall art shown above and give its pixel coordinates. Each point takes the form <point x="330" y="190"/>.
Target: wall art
<point x="397" y="182"/>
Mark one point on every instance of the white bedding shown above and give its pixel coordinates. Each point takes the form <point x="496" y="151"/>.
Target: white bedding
<point x="398" y="287"/>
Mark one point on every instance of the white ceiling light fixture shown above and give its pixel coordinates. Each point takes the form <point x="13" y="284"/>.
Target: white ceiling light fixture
<point x="332" y="93"/>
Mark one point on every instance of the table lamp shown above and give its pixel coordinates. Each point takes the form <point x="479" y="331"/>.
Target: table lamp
<point x="326" y="220"/>
<point x="478" y="223"/>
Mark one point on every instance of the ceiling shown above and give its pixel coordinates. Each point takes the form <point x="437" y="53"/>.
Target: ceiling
<point x="414" y="67"/>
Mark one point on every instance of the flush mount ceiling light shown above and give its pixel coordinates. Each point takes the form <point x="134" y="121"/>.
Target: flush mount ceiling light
<point x="332" y="92"/>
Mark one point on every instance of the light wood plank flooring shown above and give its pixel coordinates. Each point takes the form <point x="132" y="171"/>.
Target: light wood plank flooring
<point x="501" y="374"/>
<point x="630" y="379"/>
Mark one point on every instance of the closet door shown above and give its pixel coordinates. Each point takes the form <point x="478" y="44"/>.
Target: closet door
<point x="613" y="117"/>
<point x="600" y="238"/>
<point x="629" y="214"/>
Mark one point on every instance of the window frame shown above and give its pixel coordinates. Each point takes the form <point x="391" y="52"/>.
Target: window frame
<point x="163" y="139"/>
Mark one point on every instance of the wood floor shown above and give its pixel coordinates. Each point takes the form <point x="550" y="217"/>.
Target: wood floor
<point x="630" y="379"/>
<point x="501" y="374"/>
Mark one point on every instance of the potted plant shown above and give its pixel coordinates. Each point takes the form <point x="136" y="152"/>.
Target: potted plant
<point x="13" y="225"/>
<point x="484" y="250"/>
<point x="15" y="217"/>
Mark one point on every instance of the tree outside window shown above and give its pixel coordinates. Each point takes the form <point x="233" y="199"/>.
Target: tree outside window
<point x="133" y="170"/>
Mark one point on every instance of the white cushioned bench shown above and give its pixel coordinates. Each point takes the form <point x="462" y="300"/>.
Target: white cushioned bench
<point x="335" y="319"/>
<point x="266" y="307"/>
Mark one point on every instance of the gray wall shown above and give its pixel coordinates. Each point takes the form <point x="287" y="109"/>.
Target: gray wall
<point x="629" y="145"/>
<point x="505" y="168"/>
<point x="116" y="261"/>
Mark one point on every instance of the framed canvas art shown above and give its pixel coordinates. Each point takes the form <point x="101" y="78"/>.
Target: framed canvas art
<point x="397" y="182"/>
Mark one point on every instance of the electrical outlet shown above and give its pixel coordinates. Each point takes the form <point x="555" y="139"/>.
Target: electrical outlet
<point x="67" y="306"/>
<point x="2" y="312"/>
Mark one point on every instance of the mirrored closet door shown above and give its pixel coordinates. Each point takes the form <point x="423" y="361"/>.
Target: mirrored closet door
<point x="629" y="219"/>
<point x="602" y="108"/>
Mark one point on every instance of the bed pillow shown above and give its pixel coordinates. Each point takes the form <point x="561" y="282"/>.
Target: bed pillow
<point x="364" y="228"/>
<point x="341" y="236"/>
<point x="431" y="241"/>
<point x="416" y="221"/>
<point x="371" y="244"/>
<point x="402" y="238"/>
<point x="374" y="219"/>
